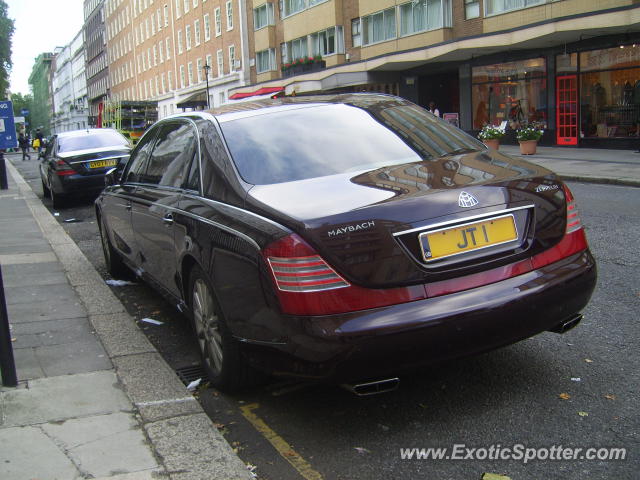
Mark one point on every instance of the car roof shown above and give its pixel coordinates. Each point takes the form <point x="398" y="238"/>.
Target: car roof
<point x="86" y="131"/>
<point x="367" y="101"/>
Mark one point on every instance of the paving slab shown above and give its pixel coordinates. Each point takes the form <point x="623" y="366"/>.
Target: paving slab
<point x="20" y="446"/>
<point x="102" y="445"/>
<point x="83" y="357"/>
<point x="27" y="364"/>
<point x="61" y="398"/>
<point x="54" y="310"/>
<point x="44" y="278"/>
<point x="32" y="294"/>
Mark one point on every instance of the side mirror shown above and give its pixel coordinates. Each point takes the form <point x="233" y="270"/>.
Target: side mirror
<point x="112" y="177"/>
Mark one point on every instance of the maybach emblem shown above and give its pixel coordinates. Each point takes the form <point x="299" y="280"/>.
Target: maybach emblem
<point x="466" y="200"/>
<point x="352" y="228"/>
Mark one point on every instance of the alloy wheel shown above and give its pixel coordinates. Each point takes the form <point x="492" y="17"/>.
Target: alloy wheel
<point x="207" y="326"/>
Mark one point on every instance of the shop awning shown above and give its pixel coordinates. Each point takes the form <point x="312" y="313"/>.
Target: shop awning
<point x="194" y="101"/>
<point x="260" y="91"/>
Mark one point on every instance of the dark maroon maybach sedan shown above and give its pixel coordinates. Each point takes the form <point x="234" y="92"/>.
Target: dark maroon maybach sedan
<point x="343" y="238"/>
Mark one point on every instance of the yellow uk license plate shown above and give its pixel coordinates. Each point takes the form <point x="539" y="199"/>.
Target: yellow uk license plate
<point x="446" y="242"/>
<point x="103" y="163"/>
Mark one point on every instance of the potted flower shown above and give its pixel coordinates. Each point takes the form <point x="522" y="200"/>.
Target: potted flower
<point x="528" y="137"/>
<point x="491" y="135"/>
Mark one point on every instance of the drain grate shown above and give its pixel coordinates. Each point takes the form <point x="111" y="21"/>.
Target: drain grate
<point x="191" y="373"/>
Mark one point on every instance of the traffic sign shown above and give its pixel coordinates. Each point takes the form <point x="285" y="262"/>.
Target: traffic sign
<point x="7" y="126"/>
<point x="24" y="112"/>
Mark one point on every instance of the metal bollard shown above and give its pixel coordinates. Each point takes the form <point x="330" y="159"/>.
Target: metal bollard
<point x="4" y="184"/>
<point x="7" y="362"/>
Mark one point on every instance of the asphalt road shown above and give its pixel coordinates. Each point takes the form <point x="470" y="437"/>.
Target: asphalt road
<point x="577" y="390"/>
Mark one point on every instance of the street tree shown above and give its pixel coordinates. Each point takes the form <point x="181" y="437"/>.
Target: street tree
<point x="6" y="32"/>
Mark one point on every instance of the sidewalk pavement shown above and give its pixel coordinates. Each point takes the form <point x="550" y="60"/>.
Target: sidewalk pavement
<point x="593" y="165"/>
<point x="95" y="399"/>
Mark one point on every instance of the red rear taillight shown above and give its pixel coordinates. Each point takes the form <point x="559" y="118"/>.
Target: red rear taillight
<point x="307" y="285"/>
<point x="63" y="168"/>
<point x="573" y="218"/>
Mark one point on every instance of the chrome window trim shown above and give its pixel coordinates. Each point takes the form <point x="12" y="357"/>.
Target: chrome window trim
<point x="463" y="220"/>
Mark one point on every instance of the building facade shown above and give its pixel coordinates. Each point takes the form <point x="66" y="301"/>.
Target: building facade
<point x="40" y="86"/>
<point x="68" y="85"/>
<point x="97" y="68"/>
<point x="569" y="66"/>
<point x="183" y="54"/>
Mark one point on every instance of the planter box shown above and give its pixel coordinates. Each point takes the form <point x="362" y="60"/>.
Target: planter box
<point x="304" y="68"/>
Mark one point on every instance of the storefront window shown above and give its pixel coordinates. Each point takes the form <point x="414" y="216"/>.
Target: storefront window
<point x="513" y="92"/>
<point x="610" y="92"/>
<point x="566" y="63"/>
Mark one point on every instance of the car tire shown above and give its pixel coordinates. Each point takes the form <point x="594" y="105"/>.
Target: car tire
<point x="220" y="352"/>
<point x="45" y="190"/>
<point x="56" y="199"/>
<point x="112" y="259"/>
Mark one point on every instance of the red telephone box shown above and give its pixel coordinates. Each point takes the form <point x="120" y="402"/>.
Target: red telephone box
<point x="567" y="110"/>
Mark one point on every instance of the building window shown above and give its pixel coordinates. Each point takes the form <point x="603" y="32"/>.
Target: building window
<point x="195" y="3"/>
<point x="327" y="42"/>
<point x="609" y="82"/>
<point x="186" y="6"/>
<point x="187" y="36"/>
<point x="190" y="72"/>
<point x="514" y="93"/>
<point x="263" y="16"/>
<point x="232" y="57"/>
<point x="265" y="60"/>
<point x="199" y="69"/>
<point x="379" y="27"/>
<point x="160" y="51"/>
<point x="220" y="58"/>
<point x="196" y="31"/>
<point x="492" y="7"/>
<point x="229" y="9"/>
<point x="178" y="14"/>
<point x="218" y="20"/>
<point x="166" y="15"/>
<point x="209" y="62"/>
<point x="168" y="44"/>
<point x="289" y="7"/>
<point x="207" y="28"/>
<point x="423" y="15"/>
<point x="294" y="49"/>
<point x="182" y="77"/>
<point x="471" y="9"/>
<point x="179" y="41"/>
<point x="170" y="80"/>
<point x="356" y="38"/>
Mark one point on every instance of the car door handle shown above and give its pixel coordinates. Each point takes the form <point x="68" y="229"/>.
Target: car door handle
<point x="168" y="219"/>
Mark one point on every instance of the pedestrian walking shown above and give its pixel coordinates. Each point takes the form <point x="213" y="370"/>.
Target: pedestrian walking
<point x="23" y="142"/>
<point x="40" y="142"/>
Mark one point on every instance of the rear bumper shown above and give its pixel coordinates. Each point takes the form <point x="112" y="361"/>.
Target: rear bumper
<point x="387" y="340"/>
<point x="77" y="184"/>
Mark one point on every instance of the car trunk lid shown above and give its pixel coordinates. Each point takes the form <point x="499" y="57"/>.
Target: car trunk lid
<point x="382" y="228"/>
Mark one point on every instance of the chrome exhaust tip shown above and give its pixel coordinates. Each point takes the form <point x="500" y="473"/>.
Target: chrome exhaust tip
<point x="375" y="387"/>
<point x="567" y="325"/>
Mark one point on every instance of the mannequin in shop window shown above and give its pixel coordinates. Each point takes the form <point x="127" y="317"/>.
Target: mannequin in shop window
<point x="516" y="115"/>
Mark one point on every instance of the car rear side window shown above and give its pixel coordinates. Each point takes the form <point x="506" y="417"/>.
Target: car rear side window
<point x="106" y="138"/>
<point x="172" y="154"/>
<point x="138" y="161"/>
<point x="326" y="139"/>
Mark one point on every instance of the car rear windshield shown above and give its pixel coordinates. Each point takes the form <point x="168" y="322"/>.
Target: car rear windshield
<point x="105" y="138"/>
<point x="326" y="139"/>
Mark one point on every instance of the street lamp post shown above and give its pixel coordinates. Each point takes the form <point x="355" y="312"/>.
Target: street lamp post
<point x="206" y="67"/>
